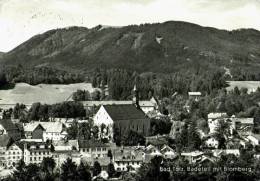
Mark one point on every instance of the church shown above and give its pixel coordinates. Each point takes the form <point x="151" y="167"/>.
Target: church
<point x="122" y="117"/>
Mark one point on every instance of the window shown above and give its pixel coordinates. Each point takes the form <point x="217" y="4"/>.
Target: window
<point x="34" y="158"/>
<point x="83" y="150"/>
<point x="30" y="158"/>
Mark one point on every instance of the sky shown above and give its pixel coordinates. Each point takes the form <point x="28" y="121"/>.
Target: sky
<point x="22" y="19"/>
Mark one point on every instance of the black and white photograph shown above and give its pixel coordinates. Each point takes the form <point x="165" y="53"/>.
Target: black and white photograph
<point x="129" y="90"/>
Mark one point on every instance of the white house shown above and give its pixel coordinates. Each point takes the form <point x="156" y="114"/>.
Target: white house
<point x="10" y="152"/>
<point x="254" y="139"/>
<point x="34" y="152"/>
<point x="123" y="117"/>
<point x="193" y="157"/>
<point x="127" y="158"/>
<point x="45" y="130"/>
<point x="194" y="95"/>
<point x="168" y="152"/>
<point x="212" y="142"/>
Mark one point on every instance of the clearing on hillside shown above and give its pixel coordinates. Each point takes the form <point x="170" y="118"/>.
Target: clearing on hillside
<point x="43" y="93"/>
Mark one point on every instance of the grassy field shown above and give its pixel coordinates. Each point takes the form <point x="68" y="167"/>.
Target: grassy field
<point x="44" y="93"/>
<point x="250" y="85"/>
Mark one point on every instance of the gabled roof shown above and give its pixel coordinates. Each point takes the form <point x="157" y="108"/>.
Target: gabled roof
<point x="12" y="130"/>
<point x="92" y="144"/>
<point x="124" y="112"/>
<point x="127" y="154"/>
<point x="52" y="127"/>
<point x="244" y="120"/>
<point x="5" y="141"/>
<point x="8" y="124"/>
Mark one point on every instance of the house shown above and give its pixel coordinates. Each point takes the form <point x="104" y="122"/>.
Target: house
<point x="34" y="152"/>
<point x="10" y="152"/>
<point x="123" y="117"/>
<point x="214" y="119"/>
<point x="168" y="152"/>
<point x="127" y="159"/>
<point x="177" y="127"/>
<point x="65" y="145"/>
<point x="157" y="141"/>
<point x="194" y="95"/>
<point x="7" y="127"/>
<point x="193" y="157"/>
<point x="60" y="156"/>
<point x="254" y="139"/>
<point x="244" y="126"/>
<point x="211" y="142"/>
<point x="218" y="153"/>
<point x="94" y="149"/>
<point x="150" y="152"/>
<point x="45" y="130"/>
<point x="145" y="105"/>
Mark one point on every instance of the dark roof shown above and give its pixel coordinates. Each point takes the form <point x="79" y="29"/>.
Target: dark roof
<point x="124" y="112"/>
<point x="91" y="144"/>
<point x="12" y="130"/>
<point x="8" y="124"/>
<point x="5" y="140"/>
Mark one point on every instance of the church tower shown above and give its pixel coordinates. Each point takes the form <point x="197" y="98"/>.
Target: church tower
<point x="136" y="97"/>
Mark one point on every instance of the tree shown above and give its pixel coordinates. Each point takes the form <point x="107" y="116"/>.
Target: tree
<point x="222" y="132"/>
<point x="151" y="171"/>
<point x="19" y="173"/>
<point x="68" y="171"/>
<point x="133" y="138"/>
<point x="85" y="131"/>
<point x="194" y="141"/>
<point x="73" y="131"/>
<point x="83" y="172"/>
<point x="109" y="154"/>
<point x="3" y="80"/>
<point x="111" y="170"/>
<point x="95" y="131"/>
<point x="32" y="172"/>
<point x="102" y="130"/>
<point x="96" y="168"/>
<point x="48" y="164"/>
<point x="96" y="95"/>
<point x="116" y="135"/>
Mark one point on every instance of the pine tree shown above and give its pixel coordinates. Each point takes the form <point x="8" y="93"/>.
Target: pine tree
<point x="83" y="172"/>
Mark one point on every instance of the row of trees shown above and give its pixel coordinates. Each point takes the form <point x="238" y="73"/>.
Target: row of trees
<point x="47" y="171"/>
<point x="160" y="169"/>
<point x="121" y="82"/>
<point x="85" y="95"/>
<point x="43" y="112"/>
<point x="39" y="75"/>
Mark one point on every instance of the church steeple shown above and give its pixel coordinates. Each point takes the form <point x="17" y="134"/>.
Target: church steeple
<point x="136" y="97"/>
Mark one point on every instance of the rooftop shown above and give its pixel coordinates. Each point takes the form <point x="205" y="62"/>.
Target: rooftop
<point x="194" y="93"/>
<point x="52" y="127"/>
<point x="125" y="112"/>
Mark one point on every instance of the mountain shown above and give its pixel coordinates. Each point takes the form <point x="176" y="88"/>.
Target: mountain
<point x="162" y="47"/>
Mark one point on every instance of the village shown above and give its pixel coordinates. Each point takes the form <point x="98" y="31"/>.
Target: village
<point x="99" y="144"/>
